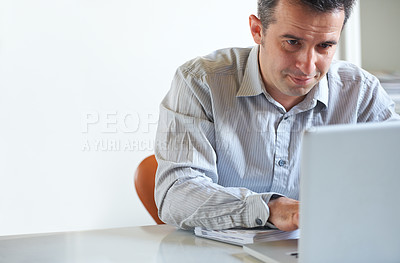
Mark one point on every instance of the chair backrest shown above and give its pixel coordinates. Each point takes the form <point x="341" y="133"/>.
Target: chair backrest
<point x="144" y="184"/>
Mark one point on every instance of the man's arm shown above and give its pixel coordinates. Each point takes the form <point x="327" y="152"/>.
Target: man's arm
<point x="374" y="104"/>
<point x="187" y="192"/>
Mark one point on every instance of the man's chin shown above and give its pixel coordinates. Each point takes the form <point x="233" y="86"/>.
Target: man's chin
<point x="297" y="91"/>
<point x="300" y="87"/>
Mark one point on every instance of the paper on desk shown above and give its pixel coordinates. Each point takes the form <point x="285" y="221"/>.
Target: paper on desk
<point x="240" y="236"/>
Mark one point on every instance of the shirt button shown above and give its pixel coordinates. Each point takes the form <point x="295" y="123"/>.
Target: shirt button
<point x="281" y="163"/>
<point x="259" y="222"/>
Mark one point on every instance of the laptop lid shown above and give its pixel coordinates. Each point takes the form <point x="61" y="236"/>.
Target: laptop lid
<point x="349" y="209"/>
<point x="350" y="194"/>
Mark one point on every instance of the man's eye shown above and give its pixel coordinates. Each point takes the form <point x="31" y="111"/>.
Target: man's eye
<point x="325" y="45"/>
<point x="292" y="42"/>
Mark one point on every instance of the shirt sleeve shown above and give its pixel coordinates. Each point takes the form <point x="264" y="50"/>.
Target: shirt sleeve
<point x="374" y="104"/>
<point x="187" y="192"/>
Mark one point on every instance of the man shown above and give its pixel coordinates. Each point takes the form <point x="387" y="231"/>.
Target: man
<point x="229" y="135"/>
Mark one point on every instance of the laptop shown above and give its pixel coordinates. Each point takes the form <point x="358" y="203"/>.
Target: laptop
<point x="349" y="198"/>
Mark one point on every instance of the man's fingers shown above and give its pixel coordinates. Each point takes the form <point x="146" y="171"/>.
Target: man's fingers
<point x="284" y="213"/>
<point x="296" y="220"/>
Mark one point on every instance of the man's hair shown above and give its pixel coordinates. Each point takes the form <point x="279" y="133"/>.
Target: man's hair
<point x="266" y="8"/>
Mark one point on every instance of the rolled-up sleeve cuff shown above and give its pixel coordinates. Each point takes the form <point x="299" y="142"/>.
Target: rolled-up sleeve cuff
<point x="257" y="213"/>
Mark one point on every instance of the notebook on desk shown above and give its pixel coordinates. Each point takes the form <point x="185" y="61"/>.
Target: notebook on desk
<point x="349" y="197"/>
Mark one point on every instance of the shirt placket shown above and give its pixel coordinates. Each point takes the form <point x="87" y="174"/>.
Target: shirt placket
<point x="281" y="160"/>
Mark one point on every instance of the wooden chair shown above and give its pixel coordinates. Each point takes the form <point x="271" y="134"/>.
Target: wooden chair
<point x="144" y="184"/>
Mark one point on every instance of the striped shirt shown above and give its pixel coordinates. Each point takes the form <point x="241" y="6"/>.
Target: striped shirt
<point x="224" y="146"/>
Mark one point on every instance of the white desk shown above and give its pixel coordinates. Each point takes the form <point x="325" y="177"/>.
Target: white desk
<point x="160" y="244"/>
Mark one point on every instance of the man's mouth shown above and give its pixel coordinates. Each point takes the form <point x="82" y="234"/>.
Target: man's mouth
<point x="301" y="80"/>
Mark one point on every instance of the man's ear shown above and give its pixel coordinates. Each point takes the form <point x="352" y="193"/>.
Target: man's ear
<point x="255" y="28"/>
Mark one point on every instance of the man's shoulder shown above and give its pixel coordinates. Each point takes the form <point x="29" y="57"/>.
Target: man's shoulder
<point x="223" y="61"/>
<point x="347" y="72"/>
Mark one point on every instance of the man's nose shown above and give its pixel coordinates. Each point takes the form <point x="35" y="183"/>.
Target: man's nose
<point x="306" y="61"/>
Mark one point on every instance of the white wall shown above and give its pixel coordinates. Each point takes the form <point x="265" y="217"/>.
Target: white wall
<point x="74" y="74"/>
<point x="380" y="23"/>
<point x="350" y="41"/>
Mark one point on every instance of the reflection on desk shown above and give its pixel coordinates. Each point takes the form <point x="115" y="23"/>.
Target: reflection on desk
<point x="159" y="243"/>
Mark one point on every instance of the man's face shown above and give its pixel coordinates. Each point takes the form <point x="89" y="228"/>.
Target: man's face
<point x="296" y="50"/>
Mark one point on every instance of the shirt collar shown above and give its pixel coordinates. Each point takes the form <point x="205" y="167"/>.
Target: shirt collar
<point x="320" y="93"/>
<point x="252" y="84"/>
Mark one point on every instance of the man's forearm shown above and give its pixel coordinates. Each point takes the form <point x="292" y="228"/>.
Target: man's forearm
<point x="197" y="201"/>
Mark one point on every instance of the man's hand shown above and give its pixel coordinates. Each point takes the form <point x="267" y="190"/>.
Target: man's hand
<point x="284" y="213"/>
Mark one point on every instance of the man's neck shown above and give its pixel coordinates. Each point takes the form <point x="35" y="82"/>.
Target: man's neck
<point x="286" y="101"/>
<point x="290" y="103"/>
